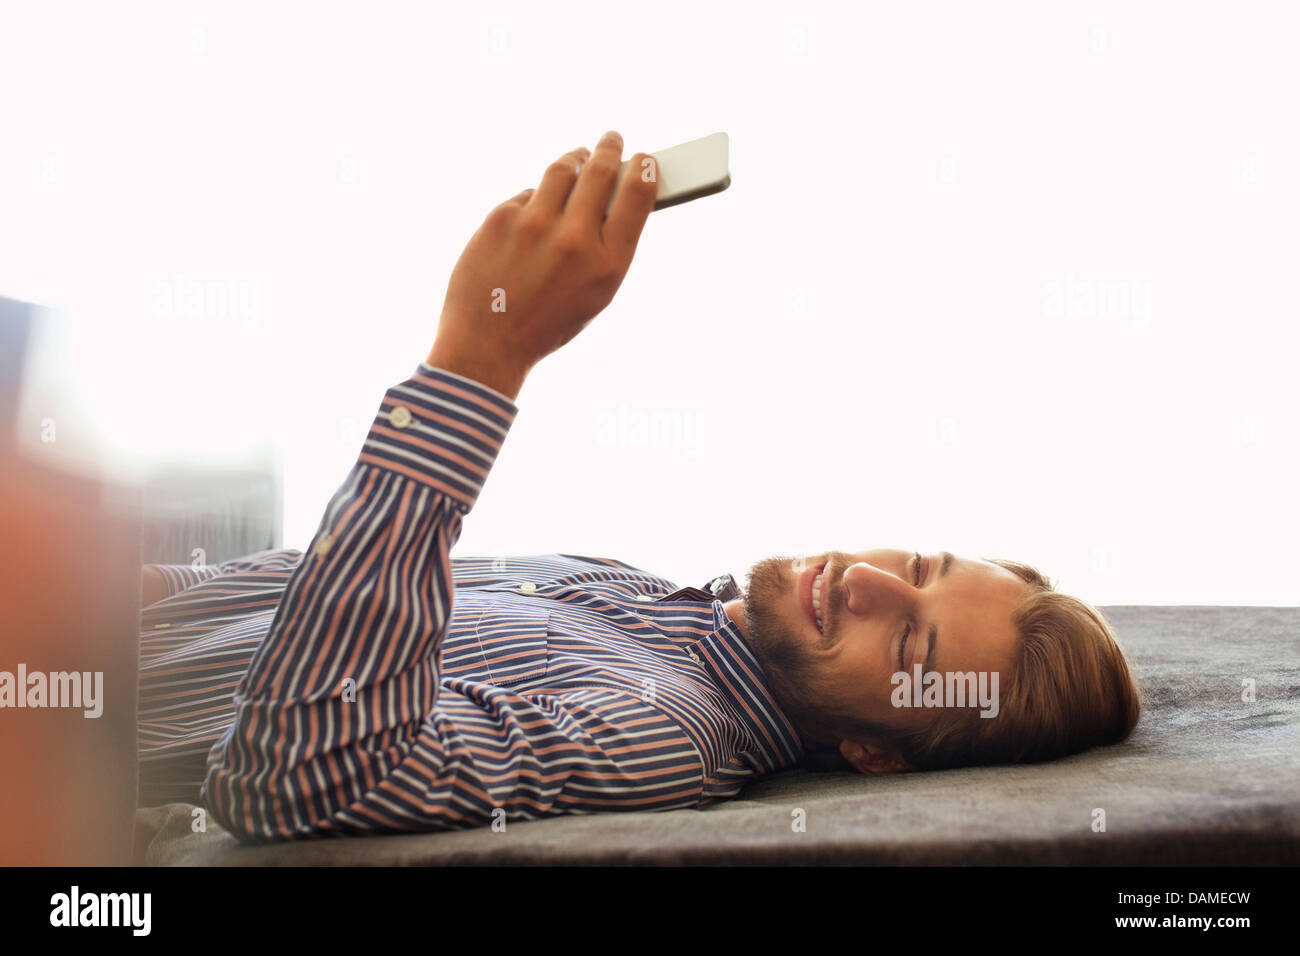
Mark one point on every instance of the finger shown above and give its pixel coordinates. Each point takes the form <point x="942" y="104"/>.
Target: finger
<point x="632" y="205"/>
<point x="591" y="195"/>
<point x="557" y="182"/>
<point x="521" y="198"/>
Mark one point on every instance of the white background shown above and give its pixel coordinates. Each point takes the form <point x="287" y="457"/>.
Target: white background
<point x="1009" y="279"/>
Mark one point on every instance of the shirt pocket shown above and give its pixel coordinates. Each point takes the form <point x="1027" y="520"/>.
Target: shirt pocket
<point x="509" y="636"/>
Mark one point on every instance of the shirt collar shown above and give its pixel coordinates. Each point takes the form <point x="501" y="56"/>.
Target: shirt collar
<point x="735" y="670"/>
<point x="722" y="588"/>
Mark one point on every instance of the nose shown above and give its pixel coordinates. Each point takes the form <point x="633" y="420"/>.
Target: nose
<point x="869" y="590"/>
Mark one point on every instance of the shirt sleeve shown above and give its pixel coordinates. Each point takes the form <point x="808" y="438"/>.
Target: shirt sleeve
<point x="175" y="578"/>
<point x="341" y="725"/>
<point x="162" y="581"/>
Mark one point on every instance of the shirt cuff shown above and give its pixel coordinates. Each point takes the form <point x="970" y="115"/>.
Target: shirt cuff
<point x="442" y="430"/>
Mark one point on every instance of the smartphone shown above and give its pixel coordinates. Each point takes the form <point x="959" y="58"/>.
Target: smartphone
<point x="688" y="171"/>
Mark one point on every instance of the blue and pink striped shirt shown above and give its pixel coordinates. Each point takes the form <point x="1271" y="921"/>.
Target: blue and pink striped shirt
<point x="373" y="683"/>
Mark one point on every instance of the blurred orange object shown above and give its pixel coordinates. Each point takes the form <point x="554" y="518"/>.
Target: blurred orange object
<point x="69" y="600"/>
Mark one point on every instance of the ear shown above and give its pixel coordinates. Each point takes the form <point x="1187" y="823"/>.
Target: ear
<point x="873" y="755"/>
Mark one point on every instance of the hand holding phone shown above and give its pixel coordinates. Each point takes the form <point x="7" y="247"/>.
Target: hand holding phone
<point x="542" y="266"/>
<point x="546" y="262"/>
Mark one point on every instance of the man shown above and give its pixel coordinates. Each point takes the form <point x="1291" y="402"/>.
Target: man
<point x="382" y="685"/>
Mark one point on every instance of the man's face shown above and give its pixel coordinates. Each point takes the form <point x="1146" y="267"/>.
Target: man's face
<point x="880" y="612"/>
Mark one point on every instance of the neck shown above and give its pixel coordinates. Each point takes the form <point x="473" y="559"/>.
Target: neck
<point x="736" y="612"/>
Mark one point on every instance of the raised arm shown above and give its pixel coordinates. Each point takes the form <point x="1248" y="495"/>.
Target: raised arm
<point x="341" y="725"/>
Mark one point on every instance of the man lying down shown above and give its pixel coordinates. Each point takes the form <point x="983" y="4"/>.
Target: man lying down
<point x="374" y="683"/>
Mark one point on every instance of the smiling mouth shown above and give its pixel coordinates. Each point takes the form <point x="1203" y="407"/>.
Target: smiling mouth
<point x="815" y="596"/>
<point x="817" y="599"/>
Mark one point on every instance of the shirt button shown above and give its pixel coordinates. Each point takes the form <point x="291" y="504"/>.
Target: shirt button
<point x="323" y="545"/>
<point x="528" y="587"/>
<point x="695" y="657"/>
<point x="645" y="597"/>
<point x="400" y="417"/>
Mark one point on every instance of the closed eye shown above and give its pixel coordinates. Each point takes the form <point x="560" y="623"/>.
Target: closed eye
<point x="907" y="632"/>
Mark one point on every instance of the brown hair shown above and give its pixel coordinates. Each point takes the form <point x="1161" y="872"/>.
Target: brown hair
<point x="1070" y="688"/>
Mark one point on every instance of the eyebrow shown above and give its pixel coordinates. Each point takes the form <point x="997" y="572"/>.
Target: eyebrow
<point x="946" y="563"/>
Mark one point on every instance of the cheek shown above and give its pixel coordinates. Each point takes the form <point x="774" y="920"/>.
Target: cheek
<point x="856" y="673"/>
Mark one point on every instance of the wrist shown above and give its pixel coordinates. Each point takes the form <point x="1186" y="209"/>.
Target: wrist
<point x="494" y="373"/>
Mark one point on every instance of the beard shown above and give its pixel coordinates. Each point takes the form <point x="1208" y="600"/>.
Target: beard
<point x="788" y="659"/>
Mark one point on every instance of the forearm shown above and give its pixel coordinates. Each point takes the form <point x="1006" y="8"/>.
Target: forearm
<point x="335" y="698"/>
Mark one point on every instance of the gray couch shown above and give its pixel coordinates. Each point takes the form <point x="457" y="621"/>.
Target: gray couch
<point x="1206" y="779"/>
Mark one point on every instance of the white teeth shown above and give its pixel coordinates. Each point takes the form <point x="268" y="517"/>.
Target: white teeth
<point x="817" y="599"/>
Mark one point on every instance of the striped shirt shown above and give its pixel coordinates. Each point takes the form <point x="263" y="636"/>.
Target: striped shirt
<point x="375" y="684"/>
